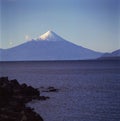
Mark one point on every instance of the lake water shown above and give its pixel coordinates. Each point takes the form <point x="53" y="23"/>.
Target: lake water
<point x="88" y="90"/>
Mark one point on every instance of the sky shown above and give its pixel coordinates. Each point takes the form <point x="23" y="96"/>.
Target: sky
<point x="94" y="24"/>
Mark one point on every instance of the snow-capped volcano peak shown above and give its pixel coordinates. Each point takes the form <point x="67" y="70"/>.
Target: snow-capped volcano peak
<point x="50" y="36"/>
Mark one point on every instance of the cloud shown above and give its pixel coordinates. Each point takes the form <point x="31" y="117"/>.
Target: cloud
<point x="27" y="37"/>
<point x="11" y="43"/>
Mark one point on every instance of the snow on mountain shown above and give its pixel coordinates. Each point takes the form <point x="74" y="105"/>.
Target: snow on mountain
<point x="50" y="36"/>
<point x="48" y="46"/>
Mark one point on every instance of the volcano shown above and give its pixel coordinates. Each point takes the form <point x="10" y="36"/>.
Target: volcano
<point x="48" y="46"/>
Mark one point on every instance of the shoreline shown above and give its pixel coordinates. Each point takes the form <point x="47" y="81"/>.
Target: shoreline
<point x="13" y="100"/>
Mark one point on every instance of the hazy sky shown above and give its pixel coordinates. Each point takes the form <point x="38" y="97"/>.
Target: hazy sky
<point x="94" y="24"/>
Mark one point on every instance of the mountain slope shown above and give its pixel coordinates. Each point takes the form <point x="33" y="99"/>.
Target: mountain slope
<point x="1" y="50"/>
<point x="48" y="46"/>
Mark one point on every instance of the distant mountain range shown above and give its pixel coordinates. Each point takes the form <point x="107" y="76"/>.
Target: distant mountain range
<point x="115" y="55"/>
<point x="48" y="46"/>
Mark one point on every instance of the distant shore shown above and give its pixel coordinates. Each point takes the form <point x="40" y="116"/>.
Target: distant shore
<point x="116" y="58"/>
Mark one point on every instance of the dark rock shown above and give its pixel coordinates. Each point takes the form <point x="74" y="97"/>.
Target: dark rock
<point x="23" y="85"/>
<point x="43" y="98"/>
<point x="4" y="79"/>
<point x="50" y="89"/>
<point x="14" y="82"/>
<point x="13" y="98"/>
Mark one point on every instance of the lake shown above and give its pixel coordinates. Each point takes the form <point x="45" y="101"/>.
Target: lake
<point x="88" y="90"/>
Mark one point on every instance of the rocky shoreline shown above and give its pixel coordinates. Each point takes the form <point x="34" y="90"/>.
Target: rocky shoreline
<point x="13" y="98"/>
